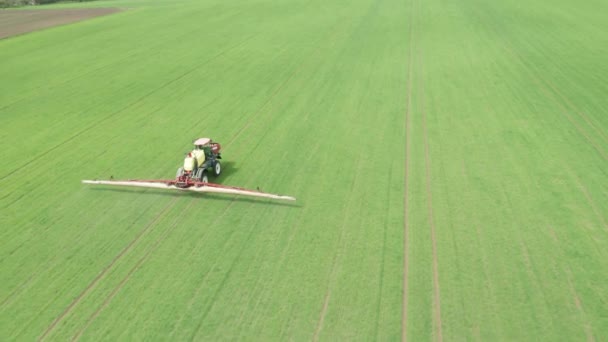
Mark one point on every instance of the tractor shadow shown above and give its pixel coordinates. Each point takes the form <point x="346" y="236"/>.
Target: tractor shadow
<point x="228" y="169"/>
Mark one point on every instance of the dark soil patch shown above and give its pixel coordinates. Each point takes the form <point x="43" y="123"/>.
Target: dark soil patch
<point x="15" y="22"/>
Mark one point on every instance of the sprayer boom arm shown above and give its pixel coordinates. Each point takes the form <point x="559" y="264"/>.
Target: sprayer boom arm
<point x="189" y="186"/>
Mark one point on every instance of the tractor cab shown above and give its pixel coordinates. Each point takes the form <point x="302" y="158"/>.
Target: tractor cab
<point x="203" y="158"/>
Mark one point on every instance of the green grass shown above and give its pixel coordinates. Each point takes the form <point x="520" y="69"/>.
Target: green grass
<point x="492" y="114"/>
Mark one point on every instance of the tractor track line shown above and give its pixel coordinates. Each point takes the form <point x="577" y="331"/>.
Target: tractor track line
<point x="429" y="191"/>
<point x="102" y="274"/>
<point x="407" y="125"/>
<point x="140" y="262"/>
<point x="337" y="256"/>
<point x="139" y="100"/>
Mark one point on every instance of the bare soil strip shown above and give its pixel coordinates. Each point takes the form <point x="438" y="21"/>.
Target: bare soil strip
<point x="407" y="184"/>
<point x="16" y="22"/>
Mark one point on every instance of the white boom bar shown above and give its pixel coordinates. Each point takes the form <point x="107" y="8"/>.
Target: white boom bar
<point x="212" y="189"/>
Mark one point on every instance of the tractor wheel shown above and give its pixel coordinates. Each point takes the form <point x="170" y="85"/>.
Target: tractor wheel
<point x="205" y="177"/>
<point x="217" y="169"/>
<point x="180" y="172"/>
<point x="198" y="174"/>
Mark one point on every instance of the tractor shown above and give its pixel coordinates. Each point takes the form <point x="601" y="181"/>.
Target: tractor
<point x="202" y="160"/>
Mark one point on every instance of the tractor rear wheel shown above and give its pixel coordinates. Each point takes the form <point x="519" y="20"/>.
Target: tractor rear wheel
<point x="217" y="169"/>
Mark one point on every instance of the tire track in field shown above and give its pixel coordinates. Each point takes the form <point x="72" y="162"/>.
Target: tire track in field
<point x="339" y="253"/>
<point x="542" y="83"/>
<point x="103" y="273"/>
<point x="407" y="125"/>
<point x="575" y="296"/>
<point x="429" y="195"/>
<point x="132" y="104"/>
<point x="139" y="263"/>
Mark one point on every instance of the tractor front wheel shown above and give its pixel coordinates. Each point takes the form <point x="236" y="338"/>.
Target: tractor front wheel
<point x="205" y="177"/>
<point x="217" y="169"/>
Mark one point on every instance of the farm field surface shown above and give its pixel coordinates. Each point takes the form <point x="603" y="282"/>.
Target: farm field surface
<point x="450" y="161"/>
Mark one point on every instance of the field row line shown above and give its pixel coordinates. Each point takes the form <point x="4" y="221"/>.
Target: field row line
<point x="521" y="240"/>
<point x="130" y="105"/>
<point x="47" y="268"/>
<point x="546" y="87"/>
<point x="103" y="273"/>
<point x="429" y="195"/>
<point x="141" y="261"/>
<point x="339" y="252"/>
<point x="212" y="301"/>
<point x="131" y="54"/>
<point x="575" y="295"/>
<point x="310" y="156"/>
<point x="407" y="129"/>
<point x="282" y="85"/>
<point x="199" y="288"/>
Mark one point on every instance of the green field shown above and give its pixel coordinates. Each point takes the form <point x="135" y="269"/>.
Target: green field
<point x="450" y="161"/>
